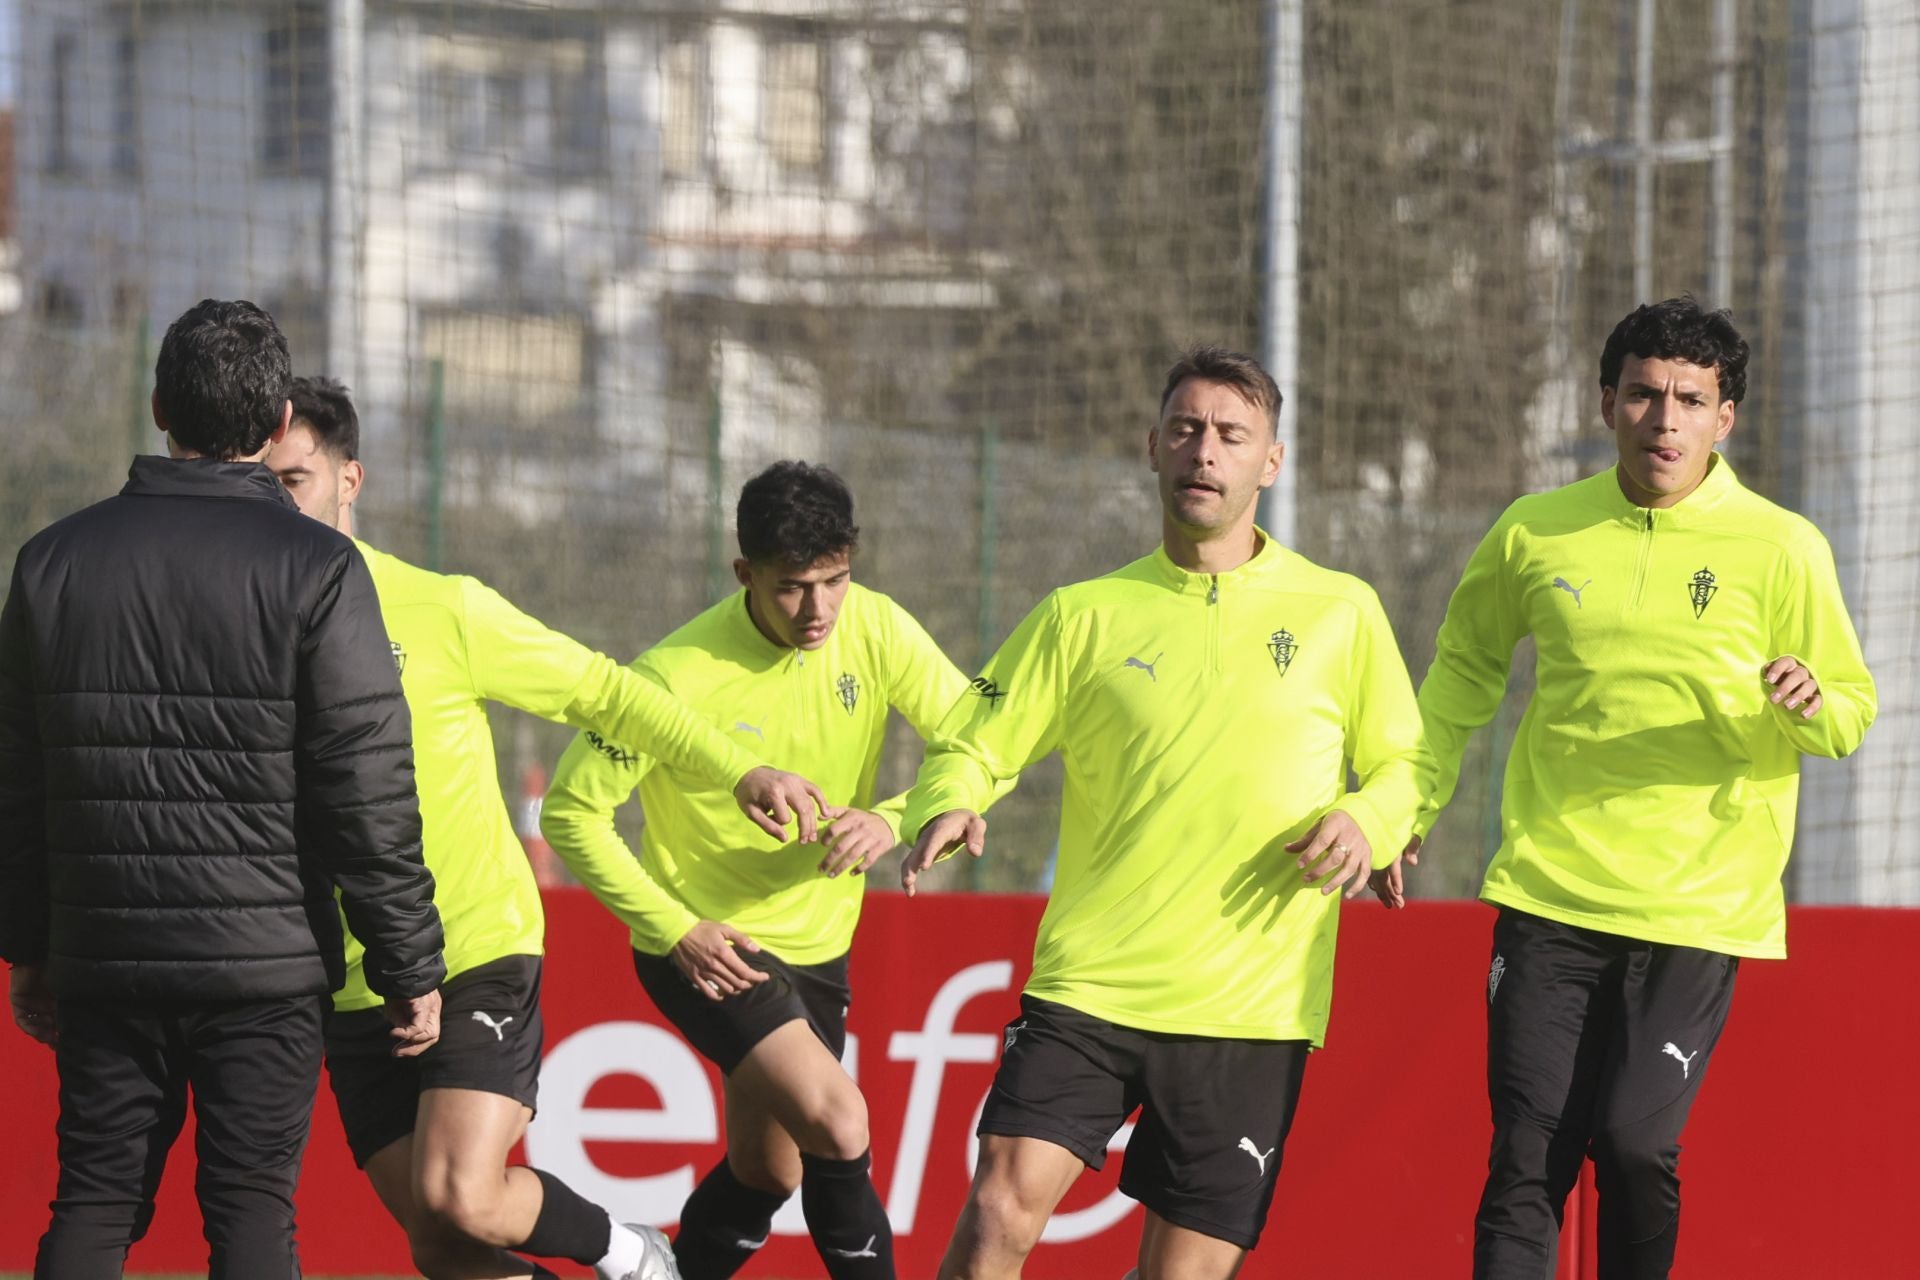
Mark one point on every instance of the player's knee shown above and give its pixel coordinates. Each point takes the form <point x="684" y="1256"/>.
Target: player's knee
<point x="1635" y="1161"/>
<point x="836" y="1124"/>
<point x="457" y="1208"/>
<point x="759" y="1174"/>
<point x="1004" y="1217"/>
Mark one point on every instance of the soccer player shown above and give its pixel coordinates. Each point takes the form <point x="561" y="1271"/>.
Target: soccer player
<point x="739" y="943"/>
<point x="1691" y="645"/>
<point x="434" y="1133"/>
<point x="1207" y="699"/>
<point x="200" y="740"/>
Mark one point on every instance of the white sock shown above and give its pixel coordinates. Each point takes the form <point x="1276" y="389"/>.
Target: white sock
<point x="626" y="1250"/>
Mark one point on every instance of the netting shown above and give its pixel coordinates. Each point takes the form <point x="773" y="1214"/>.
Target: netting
<point x="587" y="266"/>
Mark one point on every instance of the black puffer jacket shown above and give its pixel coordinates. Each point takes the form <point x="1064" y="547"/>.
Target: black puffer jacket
<point x="202" y="734"/>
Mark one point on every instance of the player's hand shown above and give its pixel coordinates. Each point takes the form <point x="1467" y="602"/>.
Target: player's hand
<point x="32" y="1002"/>
<point x="773" y="798"/>
<point x="940" y="837"/>
<point x="1793" y="685"/>
<point x="1389" y="884"/>
<point x="1334" y="853"/>
<point x="855" y="840"/>
<point x="708" y="956"/>
<point x="416" y="1023"/>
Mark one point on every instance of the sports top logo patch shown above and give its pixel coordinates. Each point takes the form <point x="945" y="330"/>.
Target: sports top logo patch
<point x="1283" y="648"/>
<point x="1701" y="588"/>
<point x="399" y="656"/>
<point x="985" y="688"/>
<point x="849" y="690"/>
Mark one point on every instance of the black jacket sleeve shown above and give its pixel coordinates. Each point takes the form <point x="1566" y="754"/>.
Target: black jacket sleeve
<point x="359" y="812"/>
<point x="23" y="809"/>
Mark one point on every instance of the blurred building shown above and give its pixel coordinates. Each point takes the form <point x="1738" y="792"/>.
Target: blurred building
<point x="595" y="219"/>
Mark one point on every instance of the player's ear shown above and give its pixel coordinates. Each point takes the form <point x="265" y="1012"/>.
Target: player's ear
<point x="352" y="477"/>
<point x="1728" y="411"/>
<point x="1153" y="447"/>
<point x="1606" y="406"/>
<point x="743" y="572"/>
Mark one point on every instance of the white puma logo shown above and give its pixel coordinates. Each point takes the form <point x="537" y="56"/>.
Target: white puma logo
<point x="1672" y="1050"/>
<point x="753" y="729"/>
<point x="751" y="1245"/>
<point x="865" y="1251"/>
<point x="1572" y="590"/>
<point x="498" y="1027"/>
<point x="1146" y="666"/>
<point x="1260" y="1157"/>
<point x="1012" y="1031"/>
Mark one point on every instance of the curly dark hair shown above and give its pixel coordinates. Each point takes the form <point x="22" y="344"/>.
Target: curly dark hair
<point x="222" y="378"/>
<point x="1679" y="329"/>
<point x="326" y="407"/>
<point x="795" y="513"/>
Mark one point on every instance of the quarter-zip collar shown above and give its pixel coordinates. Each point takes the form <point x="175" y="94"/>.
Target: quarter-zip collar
<point x="755" y="640"/>
<point x="1266" y="555"/>
<point x="1695" y="509"/>
<point x="153" y="476"/>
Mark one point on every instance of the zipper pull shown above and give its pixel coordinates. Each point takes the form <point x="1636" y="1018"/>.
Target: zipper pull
<point x="1213" y="591"/>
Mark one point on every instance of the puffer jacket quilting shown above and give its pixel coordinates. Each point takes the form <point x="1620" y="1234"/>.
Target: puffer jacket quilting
<point x="202" y="734"/>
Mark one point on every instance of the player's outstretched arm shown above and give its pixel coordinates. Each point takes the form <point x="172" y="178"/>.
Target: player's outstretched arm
<point x="708" y="955"/>
<point x="772" y="798"/>
<point x="940" y="838"/>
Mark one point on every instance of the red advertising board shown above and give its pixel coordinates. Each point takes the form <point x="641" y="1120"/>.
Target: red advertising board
<point x="1786" y="1176"/>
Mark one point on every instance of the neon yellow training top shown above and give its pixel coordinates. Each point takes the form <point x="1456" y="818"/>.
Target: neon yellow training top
<point x="1205" y="720"/>
<point x="460" y="645"/>
<point x="826" y="710"/>
<point x="1650" y="791"/>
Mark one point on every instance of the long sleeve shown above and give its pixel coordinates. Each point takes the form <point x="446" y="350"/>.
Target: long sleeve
<point x="593" y="779"/>
<point x="1009" y="717"/>
<point x="1383" y="738"/>
<point x="1814" y="627"/>
<point x="926" y="685"/>
<point x="23" y="847"/>
<point x="359" y="815"/>
<point x="1468" y="678"/>
<point x="517" y="660"/>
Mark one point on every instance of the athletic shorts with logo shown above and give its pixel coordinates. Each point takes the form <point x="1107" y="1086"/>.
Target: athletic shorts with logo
<point x="490" y="1040"/>
<point x="1214" y="1113"/>
<point x="725" y="1031"/>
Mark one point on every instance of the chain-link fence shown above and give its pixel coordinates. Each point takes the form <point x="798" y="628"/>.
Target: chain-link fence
<point x="589" y="265"/>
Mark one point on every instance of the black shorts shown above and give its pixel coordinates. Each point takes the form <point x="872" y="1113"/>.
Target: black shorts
<point x="1214" y="1113"/>
<point x="725" y="1031"/>
<point x="490" y="1040"/>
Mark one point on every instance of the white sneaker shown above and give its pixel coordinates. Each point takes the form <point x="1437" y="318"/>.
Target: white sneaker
<point x="659" y="1263"/>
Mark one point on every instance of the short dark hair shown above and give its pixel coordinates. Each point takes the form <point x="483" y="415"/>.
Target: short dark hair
<point x="1679" y="329"/>
<point x="326" y="407"/>
<point x="222" y="378"/>
<point x="795" y="513"/>
<point x="1235" y="368"/>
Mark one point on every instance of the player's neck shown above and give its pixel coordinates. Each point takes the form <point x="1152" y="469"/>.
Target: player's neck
<point x="1209" y="552"/>
<point x="345" y="523"/>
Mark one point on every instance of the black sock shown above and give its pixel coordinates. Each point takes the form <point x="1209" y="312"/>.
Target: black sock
<point x="724" y="1222"/>
<point x="845" y="1217"/>
<point x="568" y="1226"/>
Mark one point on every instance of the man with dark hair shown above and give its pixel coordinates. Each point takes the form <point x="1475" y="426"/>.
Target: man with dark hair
<point x="1207" y="700"/>
<point x="201" y="738"/>
<point x="1691" y="644"/>
<point x="434" y="1133"/>
<point x="742" y="946"/>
